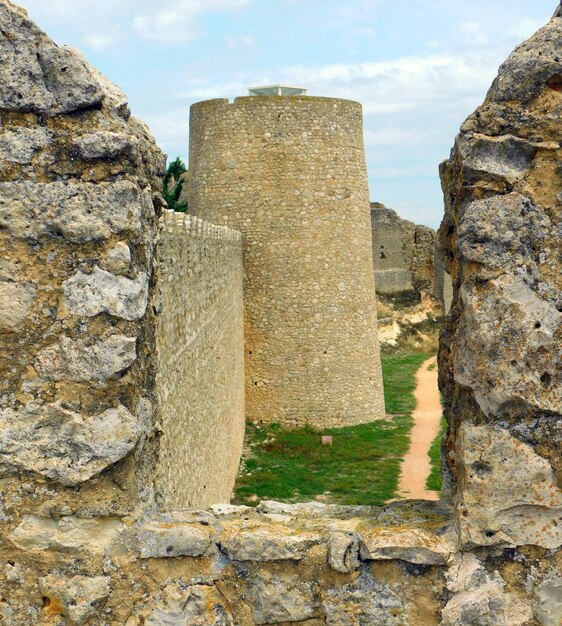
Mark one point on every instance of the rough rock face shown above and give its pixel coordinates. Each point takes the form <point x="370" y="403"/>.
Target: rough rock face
<point x="79" y="183"/>
<point x="499" y="358"/>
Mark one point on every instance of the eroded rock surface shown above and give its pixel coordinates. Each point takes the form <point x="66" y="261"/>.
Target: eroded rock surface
<point x="500" y="368"/>
<point x="79" y="200"/>
<point x="64" y="445"/>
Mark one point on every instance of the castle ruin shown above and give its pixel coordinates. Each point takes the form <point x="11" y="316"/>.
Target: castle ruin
<point x="405" y="258"/>
<point x="289" y="173"/>
<point x="98" y="284"/>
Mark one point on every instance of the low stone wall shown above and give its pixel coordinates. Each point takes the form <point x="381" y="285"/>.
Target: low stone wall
<point x="393" y="281"/>
<point x="200" y="361"/>
<point x="308" y="565"/>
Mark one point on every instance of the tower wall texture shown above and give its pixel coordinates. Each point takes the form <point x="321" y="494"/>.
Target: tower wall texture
<point x="289" y="172"/>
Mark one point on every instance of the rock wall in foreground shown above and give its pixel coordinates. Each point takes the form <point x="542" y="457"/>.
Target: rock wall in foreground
<point x="79" y="182"/>
<point x="500" y="353"/>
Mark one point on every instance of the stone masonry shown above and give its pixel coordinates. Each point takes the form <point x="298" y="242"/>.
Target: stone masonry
<point x="404" y="258"/>
<point x="200" y="361"/>
<point x="83" y="538"/>
<point x="289" y="172"/>
<point x="392" y="273"/>
<point x="79" y="191"/>
<point x="112" y="370"/>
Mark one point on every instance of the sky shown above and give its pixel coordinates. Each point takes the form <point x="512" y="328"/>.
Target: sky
<point x="418" y="67"/>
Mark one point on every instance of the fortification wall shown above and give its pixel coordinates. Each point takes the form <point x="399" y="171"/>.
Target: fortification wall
<point x="393" y="281"/>
<point x="392" y="274"/>
<point x="199" y="361"/>
<point x="290" y="173"/>
<point x="403" y="253"/>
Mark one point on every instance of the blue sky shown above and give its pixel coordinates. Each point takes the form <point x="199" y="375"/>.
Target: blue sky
<point x="419" y="67"/>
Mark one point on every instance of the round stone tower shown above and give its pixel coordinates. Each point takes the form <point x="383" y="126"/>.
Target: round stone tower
<point x="289" y="172"/>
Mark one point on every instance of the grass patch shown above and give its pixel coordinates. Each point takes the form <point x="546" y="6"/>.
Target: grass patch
<point x="361" y="467"/>
<point x="434" y="480"/>
<point x="399" y="376"/>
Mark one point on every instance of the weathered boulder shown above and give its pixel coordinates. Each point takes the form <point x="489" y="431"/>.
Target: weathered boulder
<point x="103" y="292"/>
<point x="15" y="301"/>
<point x="248" y="542"/>
<point x="169" y="538"/>
<point x="479" y="598"/>
<point x="68" y="534"/>
<point x="75" y="360"/>
<point x="500" y="370"/>
<point x="414" y="545"/>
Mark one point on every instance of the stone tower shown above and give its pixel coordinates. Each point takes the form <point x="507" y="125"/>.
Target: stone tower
<point x="289" y="172"/>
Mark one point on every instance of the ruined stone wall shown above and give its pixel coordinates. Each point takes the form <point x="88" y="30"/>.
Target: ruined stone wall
<point x="290" y="173"/>
<point x="200" y="361"/>
<point x="392" y="274"/>
<point x="403" y="253"/>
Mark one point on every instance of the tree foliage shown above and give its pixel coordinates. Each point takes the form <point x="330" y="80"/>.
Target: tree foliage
<point x="173" y="185"/>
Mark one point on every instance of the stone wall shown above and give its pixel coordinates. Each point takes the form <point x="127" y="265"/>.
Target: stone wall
<point x="403" y="253"/>
<point x="392" y="273"/>
<point x="79" y="192"/>
<point x="88" y="394"/>
<point x="290" y="173"/>
<point x="200" y="361"/>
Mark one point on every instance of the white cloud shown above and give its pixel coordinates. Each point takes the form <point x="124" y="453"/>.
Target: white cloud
<point x="102" y="41"/>
<point x="177" y="20"/>
<point x="239" y="41"/>
<point x="472" y="33"/>
<point x="98" y="22"/>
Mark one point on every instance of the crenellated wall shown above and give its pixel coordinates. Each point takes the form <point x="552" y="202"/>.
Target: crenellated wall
<point x="199" y="361"/>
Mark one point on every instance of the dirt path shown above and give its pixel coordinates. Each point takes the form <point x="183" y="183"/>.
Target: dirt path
<point x="416" y="465"/>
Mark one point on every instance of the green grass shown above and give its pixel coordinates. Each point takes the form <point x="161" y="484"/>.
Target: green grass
<point x="399" y="375"/>
<point x="361" y="467"/>
<point x="434" y="480"/>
